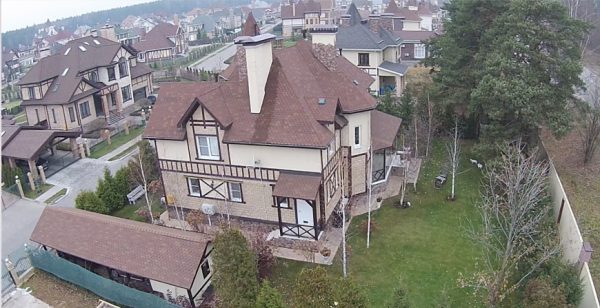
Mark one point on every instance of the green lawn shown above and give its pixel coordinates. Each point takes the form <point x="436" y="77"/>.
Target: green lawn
<point x="20" y="118"/>
<point x="124" y="153"/>
<point x="128" y="211"/>
<point x="117" y="140"/>
<point x="426" y="246"/>
<point x="56" y="196"/>
<point x="39" y="191"/>
<point x="12" y="104"/>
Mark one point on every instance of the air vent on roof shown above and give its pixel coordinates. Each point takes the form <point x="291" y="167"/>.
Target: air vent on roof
<point x="96" y="42"/>
<point x="380" y="42"/>
<point x="322" y="101"/>
<point x="67" y="51"/>
<point x="82" y="48"/>
<point x="65" y="71"/>
<point x="355" y="82"/>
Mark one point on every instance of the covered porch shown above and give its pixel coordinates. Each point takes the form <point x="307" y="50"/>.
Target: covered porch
<point x="108" y="102"/>
<point x="391" y="78"/>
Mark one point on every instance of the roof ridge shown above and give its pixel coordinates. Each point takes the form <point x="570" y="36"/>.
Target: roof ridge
<point x="126" y="223"/>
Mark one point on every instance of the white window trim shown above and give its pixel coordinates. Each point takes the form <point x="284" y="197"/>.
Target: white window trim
<point x="422" y="51"/>
<point x="356" y="146"/>
<point x="192" y="193"/>
<point x="210" y="156"/>
<point x="231" y="198"/>
<point x="287" y="202"/>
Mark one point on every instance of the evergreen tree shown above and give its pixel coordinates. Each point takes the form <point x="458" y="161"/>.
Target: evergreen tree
<point x="269" y="297"/>
<point x="236" y="276"/>
<point x="109" y="193"/>
<point x="89" y="201"/>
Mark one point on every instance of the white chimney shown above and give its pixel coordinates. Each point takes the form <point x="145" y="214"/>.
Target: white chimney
<point x="324" y="34"/>
<point x="259" y="57"/>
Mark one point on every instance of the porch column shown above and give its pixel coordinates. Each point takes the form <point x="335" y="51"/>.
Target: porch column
<point x="12" y="163"/>
<point x="74" y="147"/>
<point x="119" y="101"/>
<point x="105" y="107"/>
<point x="399" y="85"/>
<point x="33" y="168"/>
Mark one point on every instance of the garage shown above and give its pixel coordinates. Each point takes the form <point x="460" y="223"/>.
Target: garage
<point x="139" y="93"/>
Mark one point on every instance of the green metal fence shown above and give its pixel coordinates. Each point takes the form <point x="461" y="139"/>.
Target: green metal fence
<point x="105" y="288"/>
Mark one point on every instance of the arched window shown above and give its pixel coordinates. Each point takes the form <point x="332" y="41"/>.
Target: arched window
<point x="123" y="71"/>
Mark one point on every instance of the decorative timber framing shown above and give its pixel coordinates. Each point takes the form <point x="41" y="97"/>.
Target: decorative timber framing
<point x="220" y="170"/>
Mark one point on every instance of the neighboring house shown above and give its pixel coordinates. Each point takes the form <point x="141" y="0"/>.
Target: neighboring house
<point x="131" y="22"/>
<point x="414" y="46"/>
<point x="128" y="36"/>
<point x="82" y="31"/>
<point x="89" y="78"/>
<point x="327" y="8"/>
<point x="26" y="56"/>
<point x="11" y="68"/>
<point x="150" y="258"/>
<point x="299" y="17"/>
<point x="404" y="18"/>
<point x="58" y="40"/>
<point x="203" y="24"/>
<point x="372" y="46"/>
<point x="164" y="41"/>
<point x="280" y="140"/>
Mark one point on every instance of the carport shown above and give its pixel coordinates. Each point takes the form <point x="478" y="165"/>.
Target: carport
<point x="29" y="143"/>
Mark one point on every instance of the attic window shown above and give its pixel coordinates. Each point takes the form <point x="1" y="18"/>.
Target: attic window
<point x="64" y="73"/>
<point x="67" y="51"/>
<point x="322" y="101"/>
<point x="96" y="42"/>
<point x="82" y="48"/>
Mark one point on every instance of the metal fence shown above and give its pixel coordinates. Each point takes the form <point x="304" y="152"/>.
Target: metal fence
<point x="105" y="288"/>
<point x="8" y="284"/>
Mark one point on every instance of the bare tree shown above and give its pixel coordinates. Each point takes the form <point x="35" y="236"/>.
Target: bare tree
<point x="515" y="238"/>
<point x="453" y="148"/>
<point x="585" y="10"/>
<point x="590" y="129"/>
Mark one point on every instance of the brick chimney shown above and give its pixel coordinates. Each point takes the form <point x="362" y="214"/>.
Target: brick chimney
<point x="323" y="43"/>
<point x="374" y="22"/>
<point x="387" y="21"/>
<point x="345" y="20"/>
<point x="258" y="52"/>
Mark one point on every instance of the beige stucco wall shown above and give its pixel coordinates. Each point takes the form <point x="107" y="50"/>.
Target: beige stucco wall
<point x="362" y="120"/>
<point x="92" y="117"/>
<point x="193" y="130"/>
<point x="391" y="54"/>
<point x="172" y="149"/>
<point x="411" y="26"/>
<point x="31" y="115"/>
<point x="590" y="297"/>
<point x="287" y="158"/>
<point x="257" y="197"/>
<point x="200" y="279"/>
<point x="323" y="38"/>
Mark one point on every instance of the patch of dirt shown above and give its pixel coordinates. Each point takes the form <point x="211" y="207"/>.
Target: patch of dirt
<point x="59" y="293"/>
<point x="582" y="185"/>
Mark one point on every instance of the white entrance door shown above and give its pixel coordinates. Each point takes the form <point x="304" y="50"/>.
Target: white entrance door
<point x="304" y="212"/>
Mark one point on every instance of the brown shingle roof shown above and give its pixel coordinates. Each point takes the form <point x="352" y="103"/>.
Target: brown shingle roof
<point x="420" y="36"/>
<point x="402" y="12"/>
<point x="290" y="114"/>
<point x="250" y="26"/>
<point x="384" y="128"/>
<point x="163" y="254"/>
<point x="139" y="69"/>
<point x="28" y="143"/>
<point x="299" y="185"/>
<point x="158" y="38"/>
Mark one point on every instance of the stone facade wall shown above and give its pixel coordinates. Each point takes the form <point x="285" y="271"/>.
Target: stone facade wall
<point x="359" y="166"/>
<point x="257" y="198"/>
<point x="240" y="59"/>
<point x="326" y="54"/>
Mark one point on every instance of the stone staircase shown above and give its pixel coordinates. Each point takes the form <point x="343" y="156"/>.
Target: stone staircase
<point x="115" y="117"/>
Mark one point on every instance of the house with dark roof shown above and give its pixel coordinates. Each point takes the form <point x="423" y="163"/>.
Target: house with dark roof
<point x="164" y="41"/>
<point x="282" y="138"/>
<point x="89" y="78"/>
<point x="150" y="258"/>
<point x="413" y="23"/>
<point x="299" y="16"/>
<point x="373" y="47"/>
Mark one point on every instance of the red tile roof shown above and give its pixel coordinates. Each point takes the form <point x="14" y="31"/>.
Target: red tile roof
<point x="290" y="114"/>
<point x="159" y="253"/>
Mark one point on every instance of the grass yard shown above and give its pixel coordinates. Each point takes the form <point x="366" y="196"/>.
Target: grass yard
<point x="124" y="153"/>
<point x="12" y="104"/>
<point x="128" y="211"/>
<point x="56" y="196"/>
<point x="59" y="293"/>
<point x="20" y="118"/>
<point x="426" y="247"/>
<point x="39" y="191"/>
<point x="117" y="140"/>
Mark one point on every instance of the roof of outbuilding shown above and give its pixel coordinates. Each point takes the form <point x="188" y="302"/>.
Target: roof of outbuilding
<point x="384" y="129"/>
<point x="299" y="185"/>
<point x="394" y="67"/>
<point x="290" y="114"/>
<point x="26" y="144"/>
<point x="163" y="254"/>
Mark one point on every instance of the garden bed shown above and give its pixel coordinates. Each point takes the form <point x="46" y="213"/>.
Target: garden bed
<point x="426" y="246"/>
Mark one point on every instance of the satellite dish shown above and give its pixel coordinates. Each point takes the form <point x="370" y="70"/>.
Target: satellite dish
<point x="208" y="209"/>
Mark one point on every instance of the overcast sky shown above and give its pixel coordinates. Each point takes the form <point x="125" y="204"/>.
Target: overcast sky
<point x="21" y="13"/>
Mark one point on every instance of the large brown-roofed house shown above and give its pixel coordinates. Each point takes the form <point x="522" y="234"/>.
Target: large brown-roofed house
<point x="298" y="16"/>
<point x="89" y="78"/>
<point x="164" y="41"/>
<point x="152" y="258"/>
<point x="279" y="140"/>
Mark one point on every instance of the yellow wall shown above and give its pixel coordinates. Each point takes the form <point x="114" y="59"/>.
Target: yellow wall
<point x="172" y="149"/>
<point x="299" y="159"/>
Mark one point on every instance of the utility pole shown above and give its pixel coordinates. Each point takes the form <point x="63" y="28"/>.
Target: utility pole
<point x="369" y="177"/>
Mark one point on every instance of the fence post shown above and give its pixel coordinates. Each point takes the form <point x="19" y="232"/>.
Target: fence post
<point x="19" y="186"/>
<point x="31" y="183"/>
<point x="86" y="143"/>
<point x="108" y="137"/>
<point x="11" y="271"/>
<point x="42" y="174"/>
<point x="82" y="150"/>
<point x="126" y="124"/>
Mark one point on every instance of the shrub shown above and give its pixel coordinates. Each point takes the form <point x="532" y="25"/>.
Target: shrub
<point x="265" y="258"/>
<point x="565" y="276"/>
<point x="350" y="295"/>
<point x="109" y="191"/>
<point x="8" y="175"/>
<point x="89" y="201"/>
<point x="195" y="218"/>
<point x="269" y="297"/>
<point x="235" y="277"/>
<point x="540" y="293"/>
<point x="313" y="289"/>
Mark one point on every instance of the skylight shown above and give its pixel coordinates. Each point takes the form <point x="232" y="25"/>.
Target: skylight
<point x="82" y="48"/>
<point x="322" y="101"/>
<point x="96" y="42"/>
<point x="67" y="51"/>
<point x="65" y="71"/>
<point x="86" y="43"/>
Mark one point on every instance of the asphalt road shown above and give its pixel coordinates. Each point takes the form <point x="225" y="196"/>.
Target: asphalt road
<point x="215" y="61"/>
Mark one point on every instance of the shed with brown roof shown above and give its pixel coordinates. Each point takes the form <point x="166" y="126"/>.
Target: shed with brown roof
<point x="160" y="254"/>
